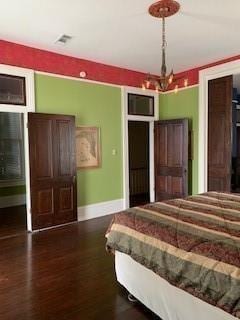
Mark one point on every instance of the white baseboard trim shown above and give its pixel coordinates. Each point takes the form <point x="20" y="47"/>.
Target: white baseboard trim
<point x="100" y="209"/>
<point x="12" y="201"/>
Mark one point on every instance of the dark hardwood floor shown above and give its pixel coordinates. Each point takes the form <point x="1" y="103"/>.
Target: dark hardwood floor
<point x="13" y="221"/>
<point x="63" y="273"/>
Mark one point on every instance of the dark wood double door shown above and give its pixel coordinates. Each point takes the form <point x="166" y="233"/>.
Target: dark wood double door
<point x="52" y="169"/>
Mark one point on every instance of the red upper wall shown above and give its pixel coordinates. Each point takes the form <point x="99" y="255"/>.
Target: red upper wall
<point x="193" y="74"/>
<point x="40" y="60"/>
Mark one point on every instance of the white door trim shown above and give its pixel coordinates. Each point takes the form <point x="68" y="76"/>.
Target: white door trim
<point x="205" y="75"/>
<point x="30" y="107"/>
<point x="125" y="119"/>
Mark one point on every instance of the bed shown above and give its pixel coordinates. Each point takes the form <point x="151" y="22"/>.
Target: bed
<point x="181" y="258"/>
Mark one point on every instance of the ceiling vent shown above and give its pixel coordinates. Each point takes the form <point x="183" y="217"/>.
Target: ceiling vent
<point x="63" y="39"/>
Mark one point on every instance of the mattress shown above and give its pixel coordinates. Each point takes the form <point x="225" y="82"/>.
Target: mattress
<point x="193" y="243"/>
<point x="165" y="300"/>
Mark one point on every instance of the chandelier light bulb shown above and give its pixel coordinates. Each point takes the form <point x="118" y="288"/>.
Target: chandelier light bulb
<point x="147" y="84"/>
<point x="143" y="87"/>
<point x="185" y="82"/>
<point x="170" y="81"/>
<point x="176" y="89"/>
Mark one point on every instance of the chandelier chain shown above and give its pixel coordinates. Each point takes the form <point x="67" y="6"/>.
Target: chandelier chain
<point x="164" y="42"/>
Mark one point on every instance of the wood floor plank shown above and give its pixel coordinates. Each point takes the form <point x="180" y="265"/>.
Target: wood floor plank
<point x="13" y="221"/>
<point x="63" y="273"/>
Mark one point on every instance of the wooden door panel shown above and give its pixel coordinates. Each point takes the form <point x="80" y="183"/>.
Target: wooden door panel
<point x="65" y="166"/>
<point x="177" y="185"/>
<point x="218" y="93"/>
<point x="52" y="169"/>
<point x="216" y="154"/>
<point x="42" y="154"/>
<point x="41" y="171"/>
<point x="238" y="157"/>
<point x="177" y="143"/>
<point x="42" y="221"/>
<point x="170" y="171"/>
<point x="169" y="187"/>
<point x="65" y="198"/>
<point x="45" y="201"/>
<point x="162" y="184"/>
<point x="65" y="204"/>
<point x="219" y="134"/>
<point x="42" y="207"/>
<point x="163" y="154"/>
<point x="217" y="183"/>
<point x="169" y="146"/>
<point x="64" y="148"/>
<point x="171" y="159"/>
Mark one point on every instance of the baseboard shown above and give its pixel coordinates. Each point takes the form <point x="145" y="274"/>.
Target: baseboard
<point x="12" y="201"/>
<point x="100" y="209"/>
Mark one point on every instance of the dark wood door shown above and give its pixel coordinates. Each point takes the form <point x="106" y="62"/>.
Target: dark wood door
<point x="219" y="134"/>
<point x="171" y="159"/>
<point x="52" y="169"/>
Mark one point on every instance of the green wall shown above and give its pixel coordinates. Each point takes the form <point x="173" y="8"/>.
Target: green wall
<point x="100" y="105"/>
<point x="184" y="104"/>
<point x="12" y="191"/>
<point x="93" y="105"/>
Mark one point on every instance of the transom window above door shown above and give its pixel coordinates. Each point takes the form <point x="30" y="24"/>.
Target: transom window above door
<point x="12" y="90"/>
<point x="140" y="105"/>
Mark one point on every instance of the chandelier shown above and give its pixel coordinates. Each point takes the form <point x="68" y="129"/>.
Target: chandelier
<point x="163" y="9"/>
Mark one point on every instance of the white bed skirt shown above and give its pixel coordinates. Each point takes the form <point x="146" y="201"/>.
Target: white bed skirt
<point x="167" y="301"/>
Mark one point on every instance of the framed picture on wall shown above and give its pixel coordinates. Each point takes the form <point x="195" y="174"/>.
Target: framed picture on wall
<point x="88" y="151"/>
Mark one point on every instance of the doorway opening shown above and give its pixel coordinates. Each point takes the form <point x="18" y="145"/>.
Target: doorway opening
<point x="17" y="97"/>
<point x="13" y="212"/>
<point x="138" y="140"/>
<point x="235" y="176"/>
<point x="138" y="108"/>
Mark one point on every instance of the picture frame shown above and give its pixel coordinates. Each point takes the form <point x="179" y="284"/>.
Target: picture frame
<point x="88" y="147"/>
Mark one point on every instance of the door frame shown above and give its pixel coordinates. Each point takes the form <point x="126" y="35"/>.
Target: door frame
<point x="219" y="71"/>
<point x="28" y="74"/>
<point x="125" y="147"/>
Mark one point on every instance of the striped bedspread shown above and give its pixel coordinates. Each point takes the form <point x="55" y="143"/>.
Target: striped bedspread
<point x="193" y="243"/>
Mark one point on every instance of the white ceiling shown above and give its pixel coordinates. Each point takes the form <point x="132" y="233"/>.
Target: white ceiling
<point x="122" y="33"/>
